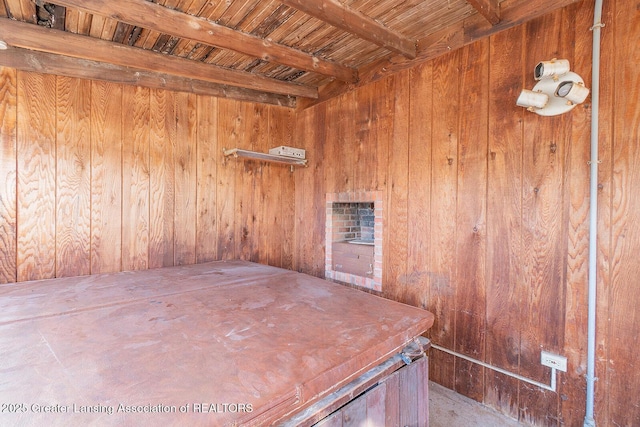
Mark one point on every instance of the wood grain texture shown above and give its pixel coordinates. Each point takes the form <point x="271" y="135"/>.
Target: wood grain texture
<point x="471" y="219"/>
<point x="375" y="400"/>
<point x="8" y="171"/>
<point x="262" y="187"/>
<point x="573" y="384"/>
<point x="185" y="198"/>
<point x="162" y="185"/>
<point x="624" y="319"/>
<point x="505" y="277"/>
<point x="606" y="189"/>
<point x="310" y="193"/>
<point x="32" y="37"/>
<point x="397" y="236"/>
<point x="417" y="279"/>
<point x="354" y="413"/>
<point x="392" y="400"/>
<point x="244" y="181"/>
<point x="73" y="177"/>
<point x="30" y="60"/>
<point x="364" y="146"/>
<point x="534" y="240"/>
<point x="132" y="165"/>
<point x="545" y="148"/>
<point x="211" y="33"/>
<point x="208" y="156"/>
<point x="36" y="176"/>
<point x="281" y="228"/>
<point x="444" y="178"/>
<point x="283" y="125"/>
<point x="106" y="178"/>
<point x="228" y="138"/>
<point x="409" y="395"/>
<point x="135" y="178"/>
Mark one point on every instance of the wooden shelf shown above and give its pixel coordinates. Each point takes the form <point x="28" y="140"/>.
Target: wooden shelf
<point x="237" y="152"/>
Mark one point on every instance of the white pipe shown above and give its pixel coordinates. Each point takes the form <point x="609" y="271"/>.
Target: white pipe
<point x="589" y="420"/>
<point x="551" y="387"/>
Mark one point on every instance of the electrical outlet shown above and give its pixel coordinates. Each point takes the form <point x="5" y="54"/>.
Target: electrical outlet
<point x="553" y="361"/>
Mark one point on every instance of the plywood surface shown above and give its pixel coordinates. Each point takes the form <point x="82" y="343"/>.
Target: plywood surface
<point x="221" y="333"/>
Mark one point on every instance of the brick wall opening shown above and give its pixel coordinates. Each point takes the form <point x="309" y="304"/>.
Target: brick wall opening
<point x="353" y="239"/>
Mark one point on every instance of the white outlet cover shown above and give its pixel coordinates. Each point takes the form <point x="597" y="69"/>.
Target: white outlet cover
<point x="553" y="361"/>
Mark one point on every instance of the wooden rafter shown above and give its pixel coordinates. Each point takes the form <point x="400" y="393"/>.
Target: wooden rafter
<point x="514" y="12"/>
<point x="33" y="37"/>
<point x="155" y="17"/>
<point x="352" y="21"/>
<point x="48" y="63"/>
<point x="490" y="9"/>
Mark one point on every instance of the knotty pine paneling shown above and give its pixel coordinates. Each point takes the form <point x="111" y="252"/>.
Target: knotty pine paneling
<point x="496" y="200"/>
<point x="100" y="177"/>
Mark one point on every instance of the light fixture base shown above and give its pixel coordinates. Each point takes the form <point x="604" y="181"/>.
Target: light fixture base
<point x="556" y="104"/>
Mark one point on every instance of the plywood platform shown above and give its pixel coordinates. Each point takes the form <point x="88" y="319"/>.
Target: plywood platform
<point x="225" y="342"/>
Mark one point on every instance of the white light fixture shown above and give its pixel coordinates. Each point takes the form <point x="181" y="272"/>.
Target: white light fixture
<point x="558" y="90"/>
<point x="3" y="45"/>
<point x="553" y="69"/>
<point x="532" y="100"/>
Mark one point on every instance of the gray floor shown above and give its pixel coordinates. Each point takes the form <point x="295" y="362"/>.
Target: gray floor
<point x="450" y="409"/>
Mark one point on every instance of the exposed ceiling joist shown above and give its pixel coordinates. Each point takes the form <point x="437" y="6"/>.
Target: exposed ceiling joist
<point x="514" y="12"/>
<point x="490" y="9"/>
<point x="162" y="19"/>
<point x="32" y="37"/>
<point x="352" y="21"/>
<point x="48" y="63"/>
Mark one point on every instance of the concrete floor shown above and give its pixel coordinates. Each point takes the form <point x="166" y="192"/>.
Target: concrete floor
<point x="450" y="409"/>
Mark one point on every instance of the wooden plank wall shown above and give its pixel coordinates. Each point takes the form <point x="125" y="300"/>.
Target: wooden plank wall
<point x="486" y="210"/>
<point x="98" y="177"/>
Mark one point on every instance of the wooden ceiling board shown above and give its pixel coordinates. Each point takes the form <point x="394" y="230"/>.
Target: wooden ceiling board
<point x="278" y="17"/>
<point x="234" y="15"/>
<point x="22" y="10"/>
<point x="270" y="12"/>
<point x="78" y="22"/>
<point x="287" y="44"/>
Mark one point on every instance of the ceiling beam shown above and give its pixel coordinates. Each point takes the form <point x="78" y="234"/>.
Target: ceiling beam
<point x="352" y="21"/>
<point x="30" y="36"/>
<point x="49" y="63"/>
<point x="490" y="9"/>
<point x="153" y="16"/>
<point x="475" y="27"/>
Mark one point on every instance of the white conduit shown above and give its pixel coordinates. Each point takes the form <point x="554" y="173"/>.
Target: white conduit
<point x="551" y="387"/>
<point x="589" y="421"/>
